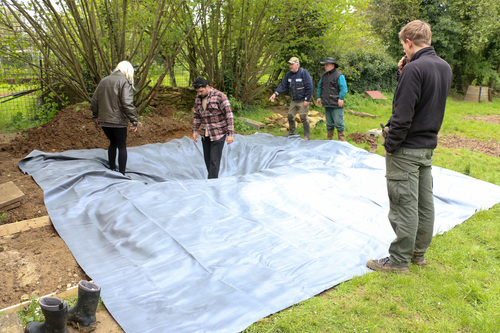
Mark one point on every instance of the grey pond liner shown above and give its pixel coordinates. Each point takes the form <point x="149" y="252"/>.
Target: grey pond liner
<point x="286" y="220"/>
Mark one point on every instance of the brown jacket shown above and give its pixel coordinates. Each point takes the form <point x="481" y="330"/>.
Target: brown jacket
<point x="113" y="101"/>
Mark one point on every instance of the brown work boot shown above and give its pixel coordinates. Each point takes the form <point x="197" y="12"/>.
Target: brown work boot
<point x="386" y="265"/>
<point x="418" y="260"/>
<point x="341" y="135"/>
<point x="329" y="135"/>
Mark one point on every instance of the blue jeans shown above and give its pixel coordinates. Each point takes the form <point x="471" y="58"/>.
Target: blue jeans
<point x="409" y="185"/>
<point x="335" y="119"/>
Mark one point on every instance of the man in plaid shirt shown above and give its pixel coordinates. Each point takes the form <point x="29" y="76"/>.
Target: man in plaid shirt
<point x="213" y="112"/>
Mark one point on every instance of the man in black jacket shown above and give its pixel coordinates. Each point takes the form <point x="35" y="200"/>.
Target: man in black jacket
<point x="299" y="83"/>
<point x="417" y="114"/>
<point x="331" y="92"/>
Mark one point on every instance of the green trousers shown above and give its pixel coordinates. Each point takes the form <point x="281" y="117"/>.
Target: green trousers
<point x="409" y="185"/>
<point x="335" y="119"/>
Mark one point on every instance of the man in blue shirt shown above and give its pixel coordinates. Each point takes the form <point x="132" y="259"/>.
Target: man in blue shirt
<point x="331" y="92"/>
<point x="299" y="83"/>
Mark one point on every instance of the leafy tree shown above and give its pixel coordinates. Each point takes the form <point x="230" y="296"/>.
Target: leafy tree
<point x="465" y="33"/>
<point x="235" y="42"/>
<point x="303" y="40"/>
<point x="479" y="23"/>
<point x="82" y="41"/>
<point x="365" y="70"/>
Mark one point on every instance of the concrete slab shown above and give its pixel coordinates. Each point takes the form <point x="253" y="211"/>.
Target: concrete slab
<point x="10" y="323"/>
<point x="255" y="124"/>
<point x="10" y="195"/>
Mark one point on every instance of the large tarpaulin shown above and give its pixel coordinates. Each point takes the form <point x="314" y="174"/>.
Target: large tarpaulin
<point x="286" y="220"/>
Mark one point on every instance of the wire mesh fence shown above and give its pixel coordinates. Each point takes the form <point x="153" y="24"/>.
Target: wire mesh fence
<point x="178" y="78"/>
<point x="19" y="88"/>
<point x="19" y="97"/>
<point x="20" y="93"/>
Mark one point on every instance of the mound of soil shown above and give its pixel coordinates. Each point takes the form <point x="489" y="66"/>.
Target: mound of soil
<point x="73" y="128"/>
<point x="360" y="138"/>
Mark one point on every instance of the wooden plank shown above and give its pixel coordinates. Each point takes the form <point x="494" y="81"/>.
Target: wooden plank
<point x="375" y="94"/>
<point x="361" y="114"/>
<point x="9" y="194"/>
<point x="476" y="94"/>
<point x="255" y="124"/>
<point x="12" y="228"/>
<point x="11" y="206"/>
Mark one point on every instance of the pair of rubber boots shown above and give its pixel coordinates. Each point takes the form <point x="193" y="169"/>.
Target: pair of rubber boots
<point x="58" y="316"/>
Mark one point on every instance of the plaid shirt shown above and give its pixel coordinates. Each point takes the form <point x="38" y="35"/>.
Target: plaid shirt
<point x="217" y="118"/>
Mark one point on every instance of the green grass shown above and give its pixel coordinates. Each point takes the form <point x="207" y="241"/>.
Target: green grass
<point x="457" y="292"/>
<point x="473" y="164"/>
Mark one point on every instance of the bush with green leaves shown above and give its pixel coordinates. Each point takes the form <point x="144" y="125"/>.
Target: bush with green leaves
<point x="368" y="71"/>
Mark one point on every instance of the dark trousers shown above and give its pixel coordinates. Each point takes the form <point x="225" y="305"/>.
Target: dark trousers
<point x="117" y="140"/>
<point x="212" y="152"/>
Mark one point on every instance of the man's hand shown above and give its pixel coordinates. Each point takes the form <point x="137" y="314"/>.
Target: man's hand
<point x="341" y="103"/>
<point x="385" y="131"/>
<point x="195" y="136"/>
<point x="318" y="101"/>
<point x="133" y="128"/>
<point x="306" y="103"/>
<point x="229" y="139"/>
<point x="273" y="96"/>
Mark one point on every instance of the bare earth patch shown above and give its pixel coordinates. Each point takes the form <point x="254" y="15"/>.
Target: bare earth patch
<point x="491" y="148"/>
<point x="494" y="118"/>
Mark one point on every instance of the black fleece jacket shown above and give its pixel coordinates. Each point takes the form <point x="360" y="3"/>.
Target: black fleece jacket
<point x="419" y="102"/>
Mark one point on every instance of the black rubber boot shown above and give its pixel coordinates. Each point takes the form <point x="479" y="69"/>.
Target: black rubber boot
<point x="291" y="126"/>
<point x="56" y="317"/>
<point x="82" y="315"/>
<point x="307" y="130"/>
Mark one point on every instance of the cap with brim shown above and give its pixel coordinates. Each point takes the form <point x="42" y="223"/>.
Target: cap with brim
<point x="293" y="60"/>
<point x="329" y="61"/>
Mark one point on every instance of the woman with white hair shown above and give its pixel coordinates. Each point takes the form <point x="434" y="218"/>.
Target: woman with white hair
<point x="113" y="108"/>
